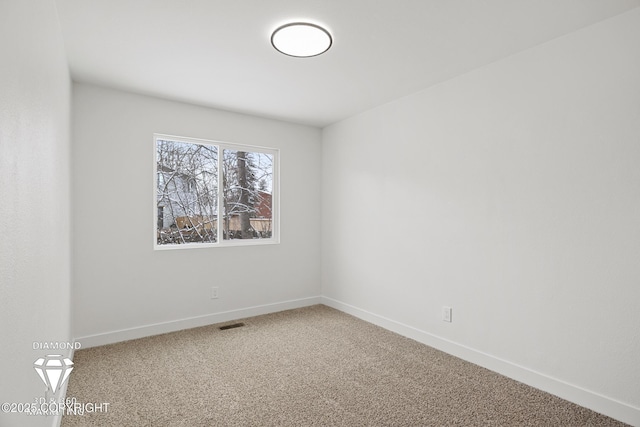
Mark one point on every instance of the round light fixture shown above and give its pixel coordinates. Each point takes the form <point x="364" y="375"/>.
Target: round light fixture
<point x="301" y="39"/>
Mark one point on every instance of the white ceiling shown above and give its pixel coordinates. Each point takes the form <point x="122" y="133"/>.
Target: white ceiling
<point x="217" y="53"/>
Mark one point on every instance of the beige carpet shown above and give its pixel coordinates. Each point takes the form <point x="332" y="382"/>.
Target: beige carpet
<point x="313" y="366"/>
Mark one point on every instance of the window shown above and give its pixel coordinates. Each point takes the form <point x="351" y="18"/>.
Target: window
<point x="210" y="193"/>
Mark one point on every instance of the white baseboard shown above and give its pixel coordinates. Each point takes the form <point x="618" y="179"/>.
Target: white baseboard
<point x="192" y="322"/>
<point x="589" y="399"/>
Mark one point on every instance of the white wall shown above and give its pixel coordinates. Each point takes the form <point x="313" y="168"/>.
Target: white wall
<point x="34" y="197"/>
<point x="512" y="194"/>
<point x="120" y="282"/>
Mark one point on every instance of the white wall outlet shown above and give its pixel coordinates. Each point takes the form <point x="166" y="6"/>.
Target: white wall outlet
<point x="214" y="292"/>
<point x="446" y="314"/>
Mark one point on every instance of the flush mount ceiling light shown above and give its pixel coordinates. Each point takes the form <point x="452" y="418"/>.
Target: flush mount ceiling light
<point x="301" y="39"/>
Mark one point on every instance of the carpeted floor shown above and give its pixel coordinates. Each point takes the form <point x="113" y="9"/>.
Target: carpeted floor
<point x="314" y="366"/>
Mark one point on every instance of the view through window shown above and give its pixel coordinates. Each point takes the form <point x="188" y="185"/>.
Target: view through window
<point x="205" y="190"/>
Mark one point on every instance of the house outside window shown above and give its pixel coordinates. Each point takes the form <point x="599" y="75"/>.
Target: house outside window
<point x="210" y="193"/>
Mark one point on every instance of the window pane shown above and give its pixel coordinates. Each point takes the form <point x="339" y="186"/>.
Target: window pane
<point x="187" y="192"/>
<point x="248" y="194"/>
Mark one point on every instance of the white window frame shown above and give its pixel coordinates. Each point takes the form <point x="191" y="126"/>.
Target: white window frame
<point x="275" y="197"/>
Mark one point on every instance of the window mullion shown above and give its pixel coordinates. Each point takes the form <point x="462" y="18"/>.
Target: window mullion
<point x="220" y="213"/>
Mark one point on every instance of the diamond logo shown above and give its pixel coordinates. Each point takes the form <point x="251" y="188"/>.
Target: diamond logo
<point x="53" y="369"/>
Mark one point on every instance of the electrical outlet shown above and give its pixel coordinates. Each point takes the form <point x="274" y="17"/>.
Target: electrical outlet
<point x="214" y="292"/>
<point x="446" y="314"/>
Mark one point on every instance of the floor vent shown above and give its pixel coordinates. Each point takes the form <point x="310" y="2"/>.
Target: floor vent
<point x="235" y="325"/>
